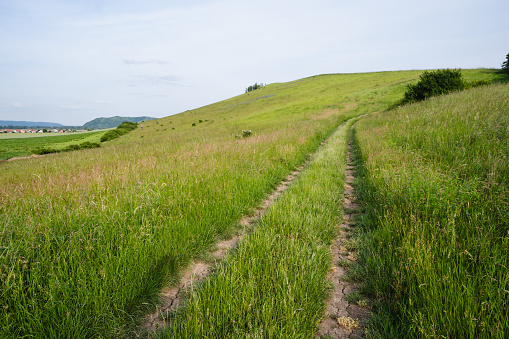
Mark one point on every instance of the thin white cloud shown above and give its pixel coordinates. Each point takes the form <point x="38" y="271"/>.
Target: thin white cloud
<point x="17" y="104"/>
<point x="102" y="102"/>
<point x="71" y="107"/>
<point x="137" y="80"/>
<point x="143" y="62"/>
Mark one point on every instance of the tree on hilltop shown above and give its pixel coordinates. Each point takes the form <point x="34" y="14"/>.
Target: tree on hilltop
<point x="505" y="64"/>
<point x="253" y="87"/>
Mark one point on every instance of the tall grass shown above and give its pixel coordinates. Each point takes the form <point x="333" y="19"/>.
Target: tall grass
<point x="435" y="184"/>
<point x="274" y="284"/>
<point x="88" y="238"/>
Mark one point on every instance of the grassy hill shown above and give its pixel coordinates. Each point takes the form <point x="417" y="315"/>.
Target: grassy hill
<point x="112" y="122"/>
<point x="435" y="183"/>
<point x="89" y="238"/>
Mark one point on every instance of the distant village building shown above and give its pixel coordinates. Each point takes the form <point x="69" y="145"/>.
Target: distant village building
<point x="31" y="130"/>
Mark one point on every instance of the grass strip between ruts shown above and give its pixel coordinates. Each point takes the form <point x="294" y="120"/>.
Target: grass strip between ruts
<point x="274" y="284"/>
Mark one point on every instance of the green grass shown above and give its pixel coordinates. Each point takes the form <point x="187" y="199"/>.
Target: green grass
<point x="17" y="146"/>
<point x="435" y="184"/>
<point x="275" y="282"/>
<point x="88" y="238"/>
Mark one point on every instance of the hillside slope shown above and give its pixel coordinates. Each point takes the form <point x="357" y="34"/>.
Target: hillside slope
<point x="436" y="193"/>
<point x="88" y="238"/>
<point x="112" y="122"/>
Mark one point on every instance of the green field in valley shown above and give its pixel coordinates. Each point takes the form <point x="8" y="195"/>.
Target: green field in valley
<point x="21" y="145"/>
<point x="89" y="238"/>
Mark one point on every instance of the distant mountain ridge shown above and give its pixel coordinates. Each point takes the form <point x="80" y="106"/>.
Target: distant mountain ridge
<point x="7" y="123"/>
<point x="102" y="123"/>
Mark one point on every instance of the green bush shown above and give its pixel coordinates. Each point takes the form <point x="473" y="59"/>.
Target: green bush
<point x="129" y="126"/>
<point x="122" y="129"/>
<point x="433" y="83"/>
<point x="244" y="134"/>
<point x="88" y="144"/>
<point x="43" y="150"/>
<point x="71" y="148"/>
<point x="477" y="83"/>
<point x="110" y="135"/>
<point x="113" y="134"/>
<point x="75" y="147"/>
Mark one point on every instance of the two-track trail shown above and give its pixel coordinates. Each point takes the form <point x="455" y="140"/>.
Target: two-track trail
<point x="199" y="270"/>
<point x="344" y="317"/>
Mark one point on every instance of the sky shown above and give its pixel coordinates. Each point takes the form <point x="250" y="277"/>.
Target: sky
<point x="70" y="61"/>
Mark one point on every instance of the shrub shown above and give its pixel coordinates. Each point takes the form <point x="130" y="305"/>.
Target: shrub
<point x="477" y="83"/>
<point x="43" y="150"/>
<point x="432" y="83"/>
<point x="245" y="134"/>
<point x="122" y="129"/>
<point x="128" y="125"/>
<point x="110" y="135"/>
<point x="88" y="144"/>
<point x="71" y="148"/>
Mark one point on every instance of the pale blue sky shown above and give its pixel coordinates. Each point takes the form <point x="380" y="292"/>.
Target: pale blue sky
<point x="70" y="61"/>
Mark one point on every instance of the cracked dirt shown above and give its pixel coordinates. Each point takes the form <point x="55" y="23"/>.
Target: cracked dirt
<point x="344" y="317"/>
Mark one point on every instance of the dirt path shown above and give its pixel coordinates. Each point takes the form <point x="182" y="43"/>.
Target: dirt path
<point x="28" y="157"/>
<point x="344" y="317"/>
<point x="172" y="296"/>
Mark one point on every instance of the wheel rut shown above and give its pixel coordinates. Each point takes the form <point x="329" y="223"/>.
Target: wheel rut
<point x="346" y="312"/>
<point x="172" y="297"/>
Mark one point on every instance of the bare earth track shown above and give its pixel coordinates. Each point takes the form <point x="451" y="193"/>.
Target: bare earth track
<point x="344" y="319"/>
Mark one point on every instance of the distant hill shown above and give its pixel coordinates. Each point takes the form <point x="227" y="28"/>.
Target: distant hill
<point x="6" y="123"/>
<point x="102" y="123"/>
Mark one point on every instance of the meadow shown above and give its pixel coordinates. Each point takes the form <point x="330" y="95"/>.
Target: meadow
<point x="21" y="145"/>
<point x="434" y="179"/>
<point x="89" y="238"/>
<point x="281" y="267"/>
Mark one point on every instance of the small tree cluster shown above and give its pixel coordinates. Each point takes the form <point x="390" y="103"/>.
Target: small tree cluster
<point x="253" y="87"/>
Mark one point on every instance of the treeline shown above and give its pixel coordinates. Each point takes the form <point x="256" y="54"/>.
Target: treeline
<point x="255" y="86"/>
<point x="122" y="129"/>
<point x="83" y="145"/>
